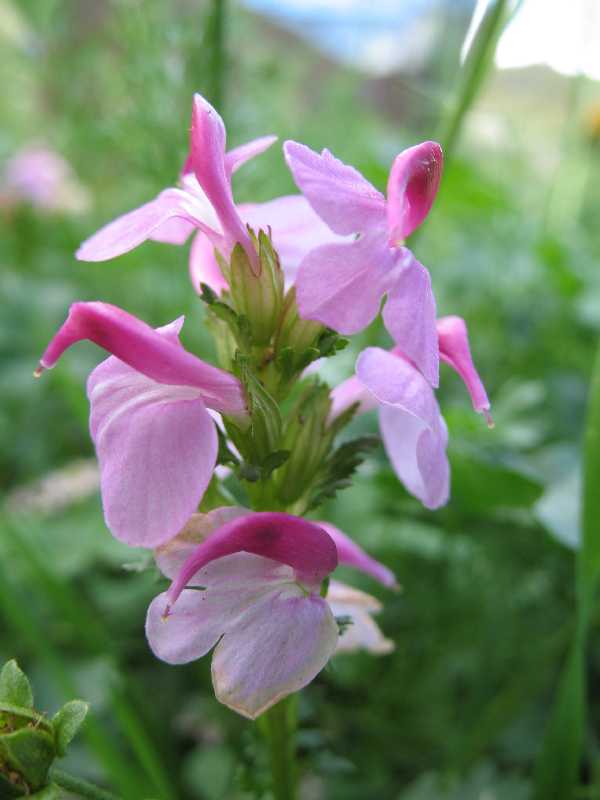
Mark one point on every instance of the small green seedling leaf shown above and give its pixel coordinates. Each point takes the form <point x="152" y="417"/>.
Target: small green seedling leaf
<point x="15" y="688"/>
<point x="67" y="722"/>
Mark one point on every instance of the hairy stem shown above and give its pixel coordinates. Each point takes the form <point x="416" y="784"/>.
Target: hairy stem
<point x="80" y="787"/>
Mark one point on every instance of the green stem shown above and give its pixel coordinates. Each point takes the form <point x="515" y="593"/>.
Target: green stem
<point x="474" y="71"/>
<point x="215" y="35"/>
<point x="280" y="723"/>
<point x="80" y="787"/>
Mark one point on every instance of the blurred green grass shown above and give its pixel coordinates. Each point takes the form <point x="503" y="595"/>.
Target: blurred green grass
<point x="484" y="621"/>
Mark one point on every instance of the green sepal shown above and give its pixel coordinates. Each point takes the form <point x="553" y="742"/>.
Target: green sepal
<point x="272" y="462"/>
<point x="66" y="723"/>
<point x="340" y="467"/>
<point x="330" y="343"/>
<point x="238" y="324"/>
<point x="225" y="456"/>
<point x="15" y="688"/>
<point x="49" y="792"/>
<point x="28" y="751"/>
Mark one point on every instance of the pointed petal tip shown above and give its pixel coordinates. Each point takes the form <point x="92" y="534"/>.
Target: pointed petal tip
<point x="37" y="372"/>
<point x="488" y="418"/>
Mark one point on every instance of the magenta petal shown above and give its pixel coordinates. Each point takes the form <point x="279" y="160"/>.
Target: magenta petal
<point x="350" y="553"/>
<point x="338" y="193"/>
<point x="237" y="157"/>
<point x="413" y="430"/>
<point x="412" y="186"/>
<point x="130" y="230"/>
<point x="455" y="350"/>
<point x="157" y="448"/>
<point x="409" y="315"/>
<point x="204" y="267"/>
<point x="207" y="157"/>
<point x="147" y="351"/>
<point x="342" y="285"/>
<point x="277" y="648"/>
<point x="290" y="540"/>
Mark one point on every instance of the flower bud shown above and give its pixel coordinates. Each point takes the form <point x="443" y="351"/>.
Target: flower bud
<point x="257" y="297"/>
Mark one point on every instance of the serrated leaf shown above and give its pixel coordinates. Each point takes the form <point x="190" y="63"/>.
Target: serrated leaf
<point x="340" y="467"/>
<point x="273" y="461"/>
<point x="67" y="722"/>
<point x="15" y="688"/>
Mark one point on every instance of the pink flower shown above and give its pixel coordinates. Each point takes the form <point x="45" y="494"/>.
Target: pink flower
<point x="155" y="440"/>
<point x="41" y="177"/>
<point x="260" y="605"/>
<point x="342" y="284"/>
<point x="363" y="633"/>
<point x="413" y="430"/>
<point x="204" y="203"/>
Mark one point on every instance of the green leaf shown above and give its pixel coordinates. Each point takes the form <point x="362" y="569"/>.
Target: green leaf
<point x="272" y="462"/>
<point x="340" y="467"/>
<point x="50" y="792"/>
<point x="67" y="722"/>
<point x="29" y="751"/>
<point x="15" y="688"/>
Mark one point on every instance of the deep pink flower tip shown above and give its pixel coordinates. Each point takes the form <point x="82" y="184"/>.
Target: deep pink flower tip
<point x="455" y="351"/>
<point x="300" y="544"/>
<point x="412" y="186"/>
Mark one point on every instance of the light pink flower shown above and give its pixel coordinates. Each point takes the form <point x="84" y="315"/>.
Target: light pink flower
<point x="205" y="201"/>
<point x="155" y="440"/>
<point x="342" y="284"/>
<point x="262" y="574"/>
<point x="413" y="430"/>
<point x="260" y="604"/>
<point x="363" y="633"/>
<point x="41" y="177"/>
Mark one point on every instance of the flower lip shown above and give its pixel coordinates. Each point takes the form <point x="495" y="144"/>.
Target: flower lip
<point x="412" y="187"/>
<point x="300" y="544"/>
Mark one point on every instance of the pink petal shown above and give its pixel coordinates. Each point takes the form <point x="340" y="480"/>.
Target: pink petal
<point x="277" y="648"/>
<point x="171" y="556"/>
<point x="237" y="157"/>
<point x="353" y="555"/>
<point x="412" y="186"/>
<point x="296" y="228"/>
<point x="156" y="446"/>
<point x="152" y="220"/>
<point x="207" y="158"/>
<point x="204" y="267"/>
<point x="342" y="285"/>
<point x="147" y="351"/>
<point x="413" y="430"/>
<point x="232" y="585"/>
<point x="409" y="316"/>
<point x="348" y="393"/>
<point x="290" y="540"/>
<point x="363" y="633"/>
<point x="338" y="193"/>
<point x="454" y="350"/>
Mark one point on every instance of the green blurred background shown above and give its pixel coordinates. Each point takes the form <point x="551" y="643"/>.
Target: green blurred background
<point x="458" y="711"/>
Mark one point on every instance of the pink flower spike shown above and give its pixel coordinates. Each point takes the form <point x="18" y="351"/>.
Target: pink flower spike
<point x="302" y="545"/>
<point x="412" y="186"/>
<point x="353" y="555"/>
<point x="141" y="347"/>
<point x="455" y="351"/>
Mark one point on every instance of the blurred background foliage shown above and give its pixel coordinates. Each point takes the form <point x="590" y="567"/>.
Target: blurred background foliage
<point x="486" y="613"/>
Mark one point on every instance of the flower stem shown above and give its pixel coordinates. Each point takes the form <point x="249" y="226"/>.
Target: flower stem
<point x="280" y="731"/>
<point x="80" y="787"/>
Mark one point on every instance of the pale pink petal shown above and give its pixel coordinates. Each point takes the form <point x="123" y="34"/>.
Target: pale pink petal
<point x="413" y="430"/>
<point x="157" y="448"/>
<point x="207" y="159"/>
<point x="351" y="554"/>
<point x="174" y="231"/>
<point x="455" y="350"/>
<point x="363" y="633"/>
<point x="409" y="315"/>
<point x="171" y="556"/>
<point x="278" y="647"/>
<point x="149" y="221"/>
<point x="412" y="186"/>
<point x="347" y="394"/>
<point x="342" y="285"/>
<point x="338" y="193"/>
<point x="231" y="586"/>
<point x="237" y="157"/>
<point x="147" y="351"/>
<point x="204" y="267"/>
<point x="296" y="229"/>
<point x="302" y="545"/>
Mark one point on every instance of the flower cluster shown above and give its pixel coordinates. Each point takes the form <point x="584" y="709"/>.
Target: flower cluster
<point x="283" y="282"/>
